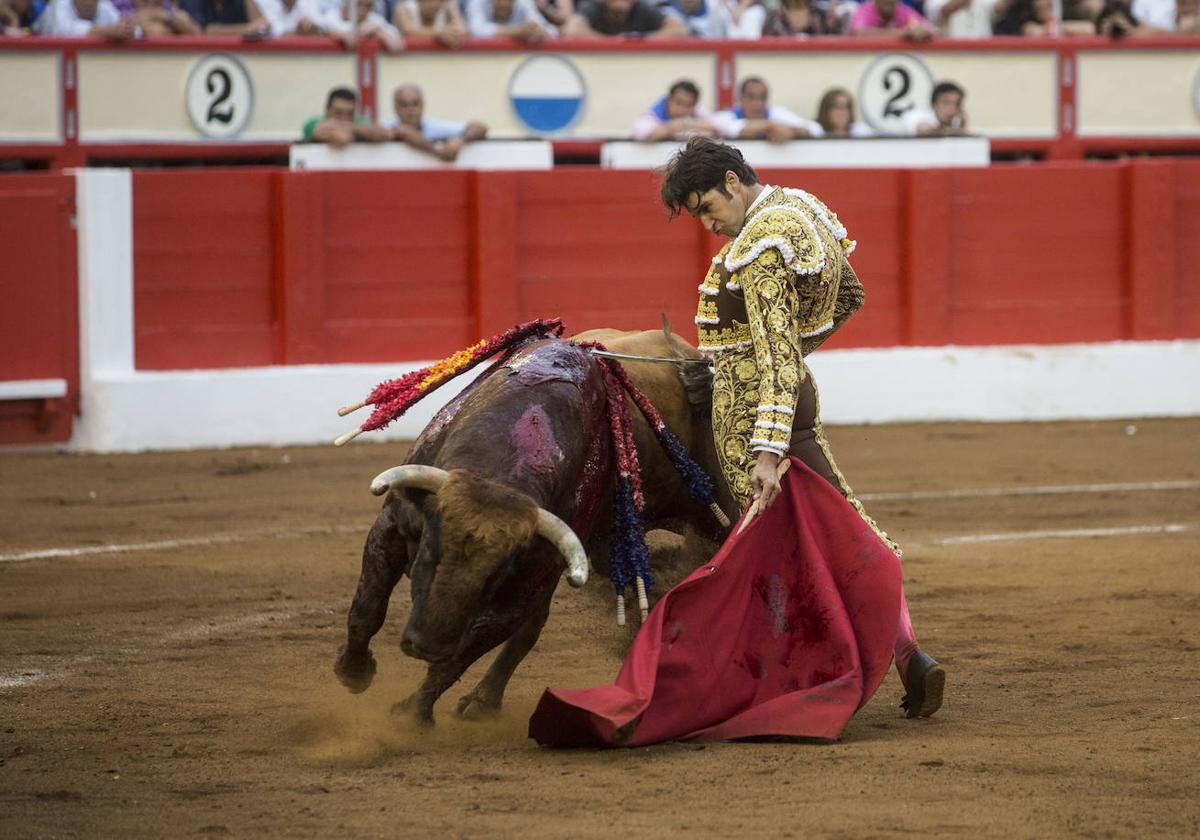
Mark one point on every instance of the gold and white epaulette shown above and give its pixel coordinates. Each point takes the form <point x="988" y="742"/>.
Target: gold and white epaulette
<point x="784" y="228"/>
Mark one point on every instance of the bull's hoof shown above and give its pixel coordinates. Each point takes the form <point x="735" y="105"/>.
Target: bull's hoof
<point x="410" y="707"/>
<point x="474" y="707"/>
<point x="355" y="671"/>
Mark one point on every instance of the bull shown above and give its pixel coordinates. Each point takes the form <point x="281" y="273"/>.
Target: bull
<point x="509" y="483"/>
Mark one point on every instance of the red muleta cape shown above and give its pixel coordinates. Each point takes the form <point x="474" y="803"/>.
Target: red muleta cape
<point x="787" y="631"/>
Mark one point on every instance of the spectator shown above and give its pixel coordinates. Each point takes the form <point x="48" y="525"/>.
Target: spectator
<point x="754" y="119"/>
<point x="947" y="119"/>
<point x="962" y="18"/>
<point x="1036" y="18"/>
<point x="703" y="18"/>
<point x="1160" y="14"/>
<point x="1187" y="17"/>
<point x="162" y="17"/>
<point x="889" y="17"/>
<point x="293" y="17"/>
<point x="1116" y="20"/>
<point x="800" y="17"/>
<point x="437" y="19"/>
<point x="676" y="116"/>
<point x="443" y="138"/>
<point x="598" y="18"/>
<point x="835" y="115"/>
<point x="558" y="12"/>
<point x="517" y="19"/>
<point x="80" y="18"/>
<point x="746" y="18"/>
<point x="19" y="16"/>
<point x="340" y="127"/>
<point x="227" y="17"/>
<point x="360" y="21"/>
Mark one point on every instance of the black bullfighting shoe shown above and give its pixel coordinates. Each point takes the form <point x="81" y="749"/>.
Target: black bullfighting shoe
<point x="924" y="681"/>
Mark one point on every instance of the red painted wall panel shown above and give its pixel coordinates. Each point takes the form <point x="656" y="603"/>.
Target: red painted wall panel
<point x="245" y="268"/>
<point x="596" y="249"/>
<point x="202" y="247"/>
<point x="1187" y="235"/>
<point x="1038" y="254"/>
<point x="396" y="259"/>
<point x="39" y="316"/>
<point x="869" y="204"/>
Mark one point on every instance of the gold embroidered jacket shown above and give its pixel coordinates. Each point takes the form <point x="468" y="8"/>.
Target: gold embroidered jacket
<point x="772" y="296"/>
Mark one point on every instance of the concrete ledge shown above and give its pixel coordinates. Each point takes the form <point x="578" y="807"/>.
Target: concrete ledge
<point x="276" y="406"/>
<point x="33" y="389"/>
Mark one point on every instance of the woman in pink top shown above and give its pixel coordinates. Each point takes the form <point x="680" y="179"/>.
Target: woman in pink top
<point x="889" y="17"/>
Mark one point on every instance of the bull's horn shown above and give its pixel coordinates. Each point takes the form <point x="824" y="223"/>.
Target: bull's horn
<point x="409" y="475"/>
<point x="559" y="533"/>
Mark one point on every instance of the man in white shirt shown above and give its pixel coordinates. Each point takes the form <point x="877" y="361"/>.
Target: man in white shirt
<point x="293" y="17"/>
<point x="962" y="18"/>
<point x="80" y="18"/>
<point x="703" y="18"/>
<point x="754" y="119"/>
<point x="947" y="117"/>
<point x="1157" y="13"/>
<point x="441" y="138"/>
<point x="519" y="19"/>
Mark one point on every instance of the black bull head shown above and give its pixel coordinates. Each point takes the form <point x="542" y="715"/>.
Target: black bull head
<point x="501" y="493"/>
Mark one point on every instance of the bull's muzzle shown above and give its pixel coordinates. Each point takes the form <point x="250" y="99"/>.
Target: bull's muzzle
<point x="549" y="526"/>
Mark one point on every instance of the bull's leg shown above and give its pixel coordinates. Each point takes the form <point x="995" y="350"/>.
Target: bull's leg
<point x="439" y="677"/>
<point x="385" y="558"/>
<point x="485" y="699"/>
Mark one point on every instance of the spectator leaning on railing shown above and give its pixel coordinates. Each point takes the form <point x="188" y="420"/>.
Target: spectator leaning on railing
<point x="800" y="17"/>
<point x="558" y="12"/>
<point x="161" y="17"/>
<point x="359" y="21"/>
<point x="518" y="19"/>
<point x="340" y="126"/>
<point x="227" y="17"/>
<point x="676" y="116"/>
<point x="443" y="138"/>
<point x="889" y="17"/>
<point x="19" y="16"/>
<point x="623" y="17"/>
<point x="835" y="115"/>
<point x="703" y="18"/>
<point x="946" y="118"/>
<point x="754" y="119"/>
<point x="293" y="18"/>
<point x="962" y="18"/>
<point x="437" y="19"/>
<point x="80" y="18"/>
<point x="1187" y="17"/>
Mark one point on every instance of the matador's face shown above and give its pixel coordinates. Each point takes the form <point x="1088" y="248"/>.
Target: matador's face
<point x="723" y="208"/>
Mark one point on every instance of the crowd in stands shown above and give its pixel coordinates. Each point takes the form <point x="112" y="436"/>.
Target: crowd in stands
<point x="678" y="115"/>
<point x="453" y="22"/>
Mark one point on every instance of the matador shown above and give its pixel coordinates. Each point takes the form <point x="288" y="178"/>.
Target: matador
<point x="778" y="289"/>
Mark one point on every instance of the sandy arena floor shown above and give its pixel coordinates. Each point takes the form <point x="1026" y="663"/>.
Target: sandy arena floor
<point x="168" y="675"/>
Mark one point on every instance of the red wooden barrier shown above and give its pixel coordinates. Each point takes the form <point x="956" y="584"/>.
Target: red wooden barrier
<point x="39" y="317"/>
<point x="248" y="268"/>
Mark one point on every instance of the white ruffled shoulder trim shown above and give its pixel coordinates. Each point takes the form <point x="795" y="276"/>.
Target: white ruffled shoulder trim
<point x="748" y="255"/>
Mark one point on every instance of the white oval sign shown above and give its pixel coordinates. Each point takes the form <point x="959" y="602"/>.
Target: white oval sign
<point x="220" y="96"/>
<point x="893" y="85"/>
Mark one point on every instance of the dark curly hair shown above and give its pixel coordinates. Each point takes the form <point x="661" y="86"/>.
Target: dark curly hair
<point x="698" y="167"/>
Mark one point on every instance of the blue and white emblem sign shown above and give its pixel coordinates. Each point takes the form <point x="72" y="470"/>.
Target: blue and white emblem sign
<point x="547" y="93"/>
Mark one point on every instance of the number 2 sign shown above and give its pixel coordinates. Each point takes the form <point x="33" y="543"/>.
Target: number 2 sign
<point x="220" y="96"/>
<point x="893" y="85"/>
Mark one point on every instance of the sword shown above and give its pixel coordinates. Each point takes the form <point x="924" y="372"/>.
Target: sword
<point x="679" y="361"/>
